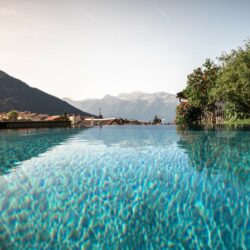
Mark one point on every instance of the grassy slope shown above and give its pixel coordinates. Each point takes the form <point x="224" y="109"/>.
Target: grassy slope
<point x="238" y="122"/>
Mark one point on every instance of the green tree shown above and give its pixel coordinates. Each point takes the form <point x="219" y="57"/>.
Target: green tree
<point x="198" y="92"/>
<point x="186" y="113"/>
<point x="226" y="86"/>
<point x="12" y="115"/>
<point x="156" y="120"/>
<point x="233" y="84"/>
<point x="199" y="85"/>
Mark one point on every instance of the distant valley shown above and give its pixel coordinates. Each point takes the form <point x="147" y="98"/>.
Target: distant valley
<point x="17" y="95"/>
<point x="135" y="105"/>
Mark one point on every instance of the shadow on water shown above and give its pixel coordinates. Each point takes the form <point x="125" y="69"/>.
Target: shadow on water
<point x="218" y="150"/>
<point x="20" y="145"/>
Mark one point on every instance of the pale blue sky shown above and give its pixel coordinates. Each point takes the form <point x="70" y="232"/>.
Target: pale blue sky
<point x="84" y="49"/>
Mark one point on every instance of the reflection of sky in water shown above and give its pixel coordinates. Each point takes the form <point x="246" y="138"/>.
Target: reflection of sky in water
<point x="19" y="145"/>
<point x="125" y="187"/>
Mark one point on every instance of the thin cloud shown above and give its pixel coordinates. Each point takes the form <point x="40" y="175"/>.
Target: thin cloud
<point x="88" y="14"/>
<point x="91" y="17"/>
<point x="161" y="12"/>
<point x="102" y="23"/>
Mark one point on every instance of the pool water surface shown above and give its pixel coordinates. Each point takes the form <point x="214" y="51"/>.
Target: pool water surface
<point x="125" y="187"/>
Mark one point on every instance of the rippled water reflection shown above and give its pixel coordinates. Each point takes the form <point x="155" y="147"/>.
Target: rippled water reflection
<point x="124" y="187"/>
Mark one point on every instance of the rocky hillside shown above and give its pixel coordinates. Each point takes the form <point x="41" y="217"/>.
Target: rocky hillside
<point x="136" y="105"/>
<point x="17" y="95"/>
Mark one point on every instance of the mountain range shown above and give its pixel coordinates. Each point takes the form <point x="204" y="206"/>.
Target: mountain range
<point x="17" y="95"/>
<point x="135" y="105"/>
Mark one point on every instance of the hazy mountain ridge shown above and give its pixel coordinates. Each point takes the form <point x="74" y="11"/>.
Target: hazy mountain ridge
<point x="17" y="95"/>
<point x="135" y="105"/>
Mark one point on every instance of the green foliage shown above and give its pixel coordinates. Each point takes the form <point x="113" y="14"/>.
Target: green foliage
<point x="238" y="122"/>
<point x="12" y="115"/>
<point x="199" y="86"/>
<point x="186" y="113"/>
<point x="227" y="85"/>
<point x="233" y="84"/>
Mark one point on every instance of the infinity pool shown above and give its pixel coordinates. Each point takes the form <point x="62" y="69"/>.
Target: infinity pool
<point x="125" y="187"/>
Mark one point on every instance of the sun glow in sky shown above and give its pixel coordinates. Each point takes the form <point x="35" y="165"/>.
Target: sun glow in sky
<point x="89" y="48"/>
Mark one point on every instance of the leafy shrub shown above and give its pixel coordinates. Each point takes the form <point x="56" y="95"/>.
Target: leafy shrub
<point x="187" y="114"/>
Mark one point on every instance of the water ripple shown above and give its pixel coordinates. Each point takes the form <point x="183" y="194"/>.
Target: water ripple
<point x="126" y="188"/>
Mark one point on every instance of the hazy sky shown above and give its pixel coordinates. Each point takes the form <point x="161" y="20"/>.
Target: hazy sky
<point x="89" y="48"/>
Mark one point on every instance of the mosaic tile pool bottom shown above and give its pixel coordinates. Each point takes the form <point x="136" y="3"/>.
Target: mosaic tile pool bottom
<point x="124" y="188"/>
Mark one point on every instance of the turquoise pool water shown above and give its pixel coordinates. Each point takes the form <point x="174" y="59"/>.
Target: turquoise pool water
<point x="125" y="187"/>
